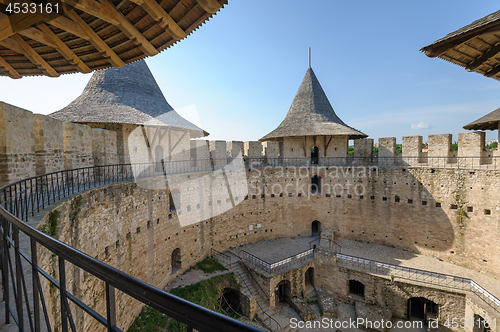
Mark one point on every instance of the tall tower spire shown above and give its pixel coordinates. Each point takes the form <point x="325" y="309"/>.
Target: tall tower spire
<point x="309" y="57"/>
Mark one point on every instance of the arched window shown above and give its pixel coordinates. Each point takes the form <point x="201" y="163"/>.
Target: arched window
<point x="314" y="155"/>
<point x="316" y="184"/>
<point x="356" y="288"/>
<point x="174" y="200"/>
<point x="176" y="260"/>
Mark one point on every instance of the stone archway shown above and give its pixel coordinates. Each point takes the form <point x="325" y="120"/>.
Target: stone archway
<point x="176" y="260"/>
<point x="309" y="277"/>
<point x="315" y="228"/>
<point x="283" y="292"/>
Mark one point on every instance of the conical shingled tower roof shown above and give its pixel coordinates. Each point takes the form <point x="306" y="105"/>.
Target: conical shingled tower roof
<point x="311" y="114"/>
<point x="127" y="95"/>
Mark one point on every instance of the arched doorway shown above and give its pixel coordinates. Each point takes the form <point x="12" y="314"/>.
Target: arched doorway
<point x="316" y="184"/>
<point x="176" y="260"/>
<point x="314" y="155"/>
<point x="174" y="200"/>
<point x="229" y="301"/>
<point x="159" y="158"/>
<point x="283" y="292"/>
<point x="356" y="288"/>
<point x="316" y="228"/>
<point x="309" y="277"/>
<point x="420" y="308"/>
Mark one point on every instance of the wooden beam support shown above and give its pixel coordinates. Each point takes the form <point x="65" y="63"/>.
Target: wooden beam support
<point x="179" y="140"/>
<point x="65" y="50"/>
<point x="98" y="43"/>
<point x="9" y="69"/>
<point x="34" y="57"/>
<point x="159" y="14"/>
<point x="130" y="30"/>
<point x="66" y="24"/>
<point x="493" y="72"/>
<point x="93" y="8"/>
<point x="210" y="6"/>
<point x="39" y="36"/>
<point x="12" y="24"/>
<point x="483" y="58"/>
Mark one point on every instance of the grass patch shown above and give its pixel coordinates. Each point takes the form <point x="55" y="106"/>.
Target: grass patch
<point x="209" y="265"/>
<point x="50" y="228"/>
<point x="205" y="293"/>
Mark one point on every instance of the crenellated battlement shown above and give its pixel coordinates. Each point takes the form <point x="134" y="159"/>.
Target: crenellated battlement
<point x="34" y="144"/>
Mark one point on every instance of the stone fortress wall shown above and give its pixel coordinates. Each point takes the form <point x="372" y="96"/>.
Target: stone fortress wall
<point x="451" y="214"/>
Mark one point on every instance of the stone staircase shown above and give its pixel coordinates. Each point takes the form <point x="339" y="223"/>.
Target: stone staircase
<point x="264" y="312"/>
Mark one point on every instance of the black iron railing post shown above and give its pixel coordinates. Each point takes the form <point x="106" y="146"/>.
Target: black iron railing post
<point x="62" y="293"/>
<point x="110" y="307"/>
<point x="36" y="296"/>
<point x="19" y="284"/>
<point x="5" y="266"/>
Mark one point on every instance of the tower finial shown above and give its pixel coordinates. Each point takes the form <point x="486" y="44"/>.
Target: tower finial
<point x="309" y="57"/>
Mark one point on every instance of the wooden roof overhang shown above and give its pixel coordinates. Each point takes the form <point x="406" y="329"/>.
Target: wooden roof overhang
<point x="86" y="35"/>
<point x="475" y="46"/>
<point x="488" y="122"/>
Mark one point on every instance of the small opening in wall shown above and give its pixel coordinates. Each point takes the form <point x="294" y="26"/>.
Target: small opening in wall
<point x="338" y="196"/>
<point x="236" y="199"/>
<point x="106" y="252"/>
<point x="138" y="230"/>
<point x="169" y="216"/>
<point x="470" y="209"/>
<point x="396" y="199"/>
<point x="404" y="170"/>
<point x="254" y="196"/>
<point x="117" y="244"/>
<point x="188" y="208"/>
<point x="281" y="194"/>
<point x="262" y="196"/>
<point x="218" y="201"/>
<point x="246" y="197"/>
<point x="349" y="196"/>
<point x="328" y="195"/>
<point x="197" y="206"/>
<point x="157" y="221"/>
<point x="149" y="224"/>
<point x="487" y="212"/>
<point x="128" y="236"/>
<point x="424" y="202"/>
<point x="290" y="195"/>
<point x="372" y="197"/>
<point x="384" y="199"/>
<point x="299" y="195"/>
<point x="438" y="205"/>
<point x="228" y="200"/>
<point x="410" y="201"/>
<point x="272" y="195"/>
<point x="361" y="197"/>
<point x="454" y="206"/>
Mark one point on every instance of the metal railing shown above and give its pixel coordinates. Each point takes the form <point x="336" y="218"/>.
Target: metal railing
<point x="272" y="322"/>
<point x="277" y="267"/>
<point x="222" y="257"/>
<point x="332" y="245"/>
<point x="422" y="276"/>
<point x="29" y="308"/>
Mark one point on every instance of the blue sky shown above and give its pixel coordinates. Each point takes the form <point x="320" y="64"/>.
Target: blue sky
<point x="240" y="71"/>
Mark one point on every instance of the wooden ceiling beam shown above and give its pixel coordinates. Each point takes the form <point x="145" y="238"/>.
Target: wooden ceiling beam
<point x="10" y="71"/>
<point x="483" y="58"/>
<point x="65" y="50"/>
<point x="129" y="29"/>
<point x="210" y="6"/>
<point x="98" y="43"/>
<point x="39" y="36"/>
<point x="159" y="14"/>
<point x="66" y="24"/>
<point x="34" y="57"/>
<point x="93" y="8"/>
<point x="12" y="24"/>
<point x="493" y="71"/>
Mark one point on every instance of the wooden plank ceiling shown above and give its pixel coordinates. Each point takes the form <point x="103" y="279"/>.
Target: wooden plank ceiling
<point x="85" y="35"/>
